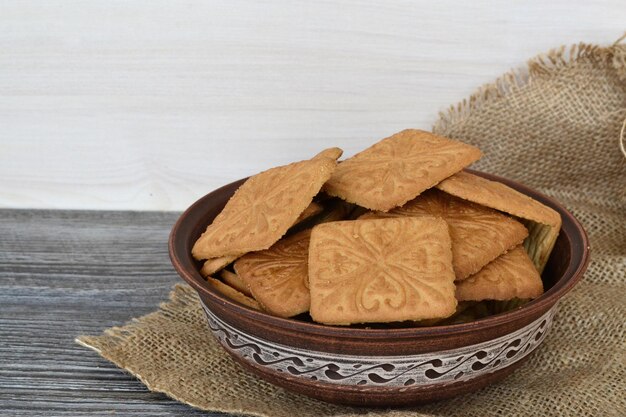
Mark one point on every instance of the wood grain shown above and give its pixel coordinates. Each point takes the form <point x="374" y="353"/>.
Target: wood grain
<point x="65" y="273"/>
<point x="149" y="105"/>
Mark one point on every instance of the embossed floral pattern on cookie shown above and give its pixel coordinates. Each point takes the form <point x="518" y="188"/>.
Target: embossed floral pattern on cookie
<point x="381" y="270"/>
<point x="479" y="234"/>
<point x="263" y="208"/>
<point x="398" y="168"/>
<point x="500" y="197"/>
<point x="278" y="276"/>
<point x="512" y="275"/>
<point x="543" y="222"/>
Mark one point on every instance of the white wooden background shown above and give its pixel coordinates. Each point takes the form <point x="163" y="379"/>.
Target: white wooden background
<point x="151" y="104"/>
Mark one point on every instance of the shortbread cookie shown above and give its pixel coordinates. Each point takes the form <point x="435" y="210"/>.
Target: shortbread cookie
<point x="232" y="293"/>
<point x="214" y="265"/>
<point x="381" y="270"/>
<point x="398" y="168"/>
<point x="512" y="275"/>
<point x="479" y="234"/>
<point x="543" y="223"/>
<point x="332" y="153"/>
<point x="235" y="281"/>
<point x="278" y="277"/>
<point x="264" y="208"/>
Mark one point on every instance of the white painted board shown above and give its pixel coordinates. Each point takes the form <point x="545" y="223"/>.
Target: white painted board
<point x="148" y="105"/>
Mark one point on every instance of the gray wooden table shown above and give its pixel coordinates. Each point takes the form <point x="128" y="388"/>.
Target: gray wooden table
<point x="65" y="273"/>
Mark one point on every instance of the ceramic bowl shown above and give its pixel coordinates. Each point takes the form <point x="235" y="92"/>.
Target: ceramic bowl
<point x="380" y="367"/>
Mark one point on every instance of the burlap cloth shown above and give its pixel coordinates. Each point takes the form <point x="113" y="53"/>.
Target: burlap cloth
<point x="554" y="126"/>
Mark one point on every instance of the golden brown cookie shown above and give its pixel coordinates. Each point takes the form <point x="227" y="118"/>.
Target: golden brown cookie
<point x="479" y="234"/>
<point x="332" y="153"/>
<point x="214" y="265"/>
<point x="381" y="270"/>
<point x="543" y="223"/>
<point x="263" y="208"/>
<point x="398" y="168"/>
<point x="235" y="281"/>
<point x="278" y="277"/>
<point x="512" y="275"/>
<point x="233" y="294"/>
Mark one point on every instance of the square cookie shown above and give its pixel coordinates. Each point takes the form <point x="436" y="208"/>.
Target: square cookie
<point x="512" y="275"/>
<point x="381" y="270"/>
<point x="479" y="234"/>
<point x="232" y="293"/>
<point x="265" y="207"/>
<point x="277" y="277"/>
<point x="543" y="223"/>
<point x="398" y="168"/>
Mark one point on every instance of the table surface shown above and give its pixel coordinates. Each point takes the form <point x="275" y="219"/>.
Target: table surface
<point x="66" y="273"/>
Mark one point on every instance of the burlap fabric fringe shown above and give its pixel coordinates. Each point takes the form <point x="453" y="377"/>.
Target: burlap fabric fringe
<point x="554" y="126"/>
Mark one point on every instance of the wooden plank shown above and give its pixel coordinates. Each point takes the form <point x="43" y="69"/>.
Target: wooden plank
<point x="149" y="105"/>
<point x="65" y="273"/>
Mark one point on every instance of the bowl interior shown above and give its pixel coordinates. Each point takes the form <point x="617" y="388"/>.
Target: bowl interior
<point x="564" y="268"/>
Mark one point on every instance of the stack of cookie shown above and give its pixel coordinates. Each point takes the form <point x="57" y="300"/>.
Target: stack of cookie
<point x="397" y="233"/>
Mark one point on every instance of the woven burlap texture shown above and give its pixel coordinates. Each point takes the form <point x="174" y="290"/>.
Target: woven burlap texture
<point x="554" y="126"/>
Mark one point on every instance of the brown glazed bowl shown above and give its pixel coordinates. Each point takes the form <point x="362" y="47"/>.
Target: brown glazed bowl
<point x="380" y="367"/>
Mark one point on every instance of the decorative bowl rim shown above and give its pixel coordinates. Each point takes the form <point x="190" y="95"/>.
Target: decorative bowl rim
<point x="566" y="282"/>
